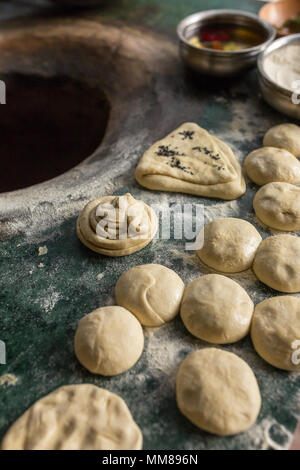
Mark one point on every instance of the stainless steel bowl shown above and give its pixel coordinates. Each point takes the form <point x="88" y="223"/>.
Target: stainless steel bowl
<point x="221" y="63"/>
<point x="277" y="96"/>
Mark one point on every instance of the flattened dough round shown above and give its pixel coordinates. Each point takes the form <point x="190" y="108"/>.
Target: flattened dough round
<point x="216" y="309"/>
<point x="218" y="392"/>
<point x="229" y="245"/>
<point x="152" y="292"/>
<point x="75" y="417"/>
<point x="269" y="164"/>
<point x="109" y="341"/>
<point x="277" y="263"/>
<point x="116" y="225"/>
<point x="275" y="331"/>
<point x="278" y="206"/>
<point x="284" y="136"/>
<point x="190" y="160"/>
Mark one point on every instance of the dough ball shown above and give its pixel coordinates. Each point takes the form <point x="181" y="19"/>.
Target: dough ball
<point x="229" y="245"/>
<point x="270" y="164"/>
<point x="284" y="136"/>
<point x="275" y="331"/>
<point x="278" y="206"/>
<point x="218" y="392"/>
<point x="109" y="341"/>
<point x="75" y="417"/>
<point x="216" y="309"/>
<point x="152" y="292"/>
<point x="277" y="263"/>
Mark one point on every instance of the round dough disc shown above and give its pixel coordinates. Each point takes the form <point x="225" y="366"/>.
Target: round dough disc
<point x="275" y="331"/>
<point x="270" y="164"/>
<point x="218" y="392"/>
<point x="277" y="263"/>
<point x="278" y="206"/>
<point x="284" y="136"/>
<point x="75" y="417"/>
<point x="216" y="309"/>
<point x="109" y="341"/>
<point x="152" y="292"/>
<point x="229" y="245"/>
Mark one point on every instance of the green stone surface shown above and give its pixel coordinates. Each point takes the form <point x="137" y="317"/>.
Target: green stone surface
<point x="43" y="297"/>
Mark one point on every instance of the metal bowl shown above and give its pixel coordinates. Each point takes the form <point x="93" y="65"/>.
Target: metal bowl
<point x="280" y="98"/>
<point x="78" y="3"/>
<point x="221" y="63"/>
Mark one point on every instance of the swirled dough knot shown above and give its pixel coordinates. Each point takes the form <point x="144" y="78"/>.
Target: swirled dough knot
<point x="116" y="225"/>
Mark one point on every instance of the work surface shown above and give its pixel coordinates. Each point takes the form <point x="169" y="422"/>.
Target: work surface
<point x="44" y="296"/>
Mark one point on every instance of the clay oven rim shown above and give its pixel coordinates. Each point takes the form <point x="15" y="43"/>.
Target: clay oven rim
<point x="117" y="58"/>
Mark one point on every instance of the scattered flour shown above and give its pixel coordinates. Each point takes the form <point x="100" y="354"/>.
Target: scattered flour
<point x="222" y="209"/>
<point x="48" y="301"/>
<point x="164" y="347"/>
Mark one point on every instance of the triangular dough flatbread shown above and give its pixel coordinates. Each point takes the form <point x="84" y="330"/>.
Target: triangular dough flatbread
<point x="190" y="160"/>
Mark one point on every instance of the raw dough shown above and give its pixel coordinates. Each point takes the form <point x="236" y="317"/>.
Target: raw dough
<point x="284" y="136"/>
<point x="75" y="417"/>
<point x="109" y="341"/>
<point x="190" y="160"/>
<point x="116" y="225"/>
<point x="152" y="292"/>
<point x="216" y="309"/>
<point x="270" y="164"/>
<point x="277" y="263"/>
<point x="278" y="206"/>
<point x="218" y="392"/>
<point x="229" y="245"/>
<point x="275" y="331"/>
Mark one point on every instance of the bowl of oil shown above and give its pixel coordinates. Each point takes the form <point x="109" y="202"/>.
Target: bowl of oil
<point x="223" y="42"/>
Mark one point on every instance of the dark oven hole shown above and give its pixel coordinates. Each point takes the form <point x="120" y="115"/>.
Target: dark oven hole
<point x="47" y="126"/>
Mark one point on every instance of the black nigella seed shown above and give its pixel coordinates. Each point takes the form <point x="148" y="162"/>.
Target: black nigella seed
<point x="208" y="152"/>
<point x="187" y="135"/>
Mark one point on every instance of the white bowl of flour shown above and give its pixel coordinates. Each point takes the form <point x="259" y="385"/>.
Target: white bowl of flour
<point x="279" y="75"/>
